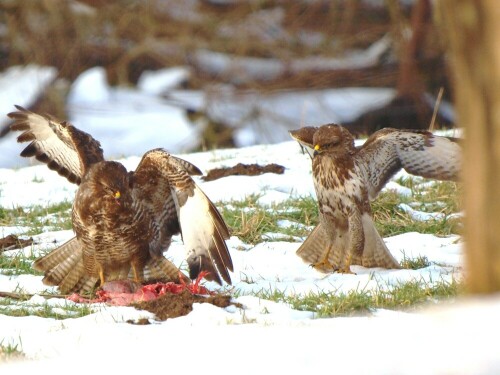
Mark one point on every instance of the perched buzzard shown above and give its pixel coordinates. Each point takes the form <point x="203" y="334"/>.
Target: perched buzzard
<point x="123" y="220"/>
<point x="346" y="178"/>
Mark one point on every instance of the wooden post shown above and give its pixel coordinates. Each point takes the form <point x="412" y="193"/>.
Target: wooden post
<point x="473" y="30"/>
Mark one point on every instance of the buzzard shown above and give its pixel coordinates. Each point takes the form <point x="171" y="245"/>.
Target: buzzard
<point x="124" y="221"/>
<point x="347" y="177"/>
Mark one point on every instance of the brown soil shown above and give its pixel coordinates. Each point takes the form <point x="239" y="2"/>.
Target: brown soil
<point x="175" y="305"/>
<point x="13" y="242"/>
<point x="243" y="170"/>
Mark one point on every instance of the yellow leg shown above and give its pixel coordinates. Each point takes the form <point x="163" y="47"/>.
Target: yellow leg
<point x="136" y="273"/>
<point x="101" y="275"/>
<point x="324" y="264"/>
<point x="347" y="265"/>
<point x="137" y="270"/>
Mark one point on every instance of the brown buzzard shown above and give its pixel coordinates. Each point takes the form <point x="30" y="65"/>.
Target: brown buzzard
<point x="124" y="221"/>
<point x="346" y="178"/>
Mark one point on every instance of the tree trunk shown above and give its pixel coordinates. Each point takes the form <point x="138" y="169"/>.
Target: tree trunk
<point x="473" y="29"/>
<point x="409" y="82"/>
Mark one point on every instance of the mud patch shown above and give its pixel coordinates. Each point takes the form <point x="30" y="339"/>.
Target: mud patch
<point x="12" y="242"/>
<point x="174" y="305"/>
<point x="241" y="169"/>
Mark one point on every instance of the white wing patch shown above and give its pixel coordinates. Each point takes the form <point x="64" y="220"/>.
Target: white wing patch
<point x="196" y="223"/>
<point x="203" y="237"/>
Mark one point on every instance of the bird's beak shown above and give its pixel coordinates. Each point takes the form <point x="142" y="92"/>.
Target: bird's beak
<point x="316" y="150"/>
<point x="117" y="197"/>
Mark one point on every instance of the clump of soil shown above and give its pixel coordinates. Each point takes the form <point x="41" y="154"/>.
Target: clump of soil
<point x="172" y="305"/>
<point x="13" y="242"/>
<point x="241" y="169"/>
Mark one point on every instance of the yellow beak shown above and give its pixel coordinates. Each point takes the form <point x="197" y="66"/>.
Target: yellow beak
<point x="316" y="148"/>
<point x="117" y="195"/>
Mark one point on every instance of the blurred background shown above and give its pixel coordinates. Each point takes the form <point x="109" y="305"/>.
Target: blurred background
<point x="202" y="74"/>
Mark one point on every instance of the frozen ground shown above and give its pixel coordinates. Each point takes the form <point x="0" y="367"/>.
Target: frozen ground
<point x="264" y="336"/>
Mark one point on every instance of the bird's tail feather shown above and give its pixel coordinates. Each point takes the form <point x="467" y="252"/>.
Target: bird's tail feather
<point x="63" y="267"/>
<point x="375" y="253"/>
<point x="316" y="247"/>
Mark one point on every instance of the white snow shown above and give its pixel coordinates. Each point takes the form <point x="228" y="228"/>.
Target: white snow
<point x="424" y="216"/>
<point x="129" y="121"/>
<point x="264" y="336"/>
<point x="22" y="85"/>
<point x="19" y="85"/>
<point x="266" y="118"/>
<point x="163" y="80"/>
<point x="126" y="121"/>
<point x="239" y="69"/>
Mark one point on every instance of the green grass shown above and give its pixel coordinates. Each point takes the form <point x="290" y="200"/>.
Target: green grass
<point x="9" y="352"/>
<point x="38" y="218"/>
<point x="414" y="263"/>
<point x="18" y="264"/>
<point x="404" y="296"/>
<point x="441" y="197"/>
<point x="11" y="307"/>
<point x="250" y="221"/>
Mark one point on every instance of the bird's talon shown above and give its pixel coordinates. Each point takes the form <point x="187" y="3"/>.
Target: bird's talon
<point x="346" y="271"/>
<point x="324" y="266"/>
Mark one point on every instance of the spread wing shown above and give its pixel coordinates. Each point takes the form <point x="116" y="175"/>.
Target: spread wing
<point x="162" y="182"/>
<point x="419" y="152"/>
<point x="60" y="145"/>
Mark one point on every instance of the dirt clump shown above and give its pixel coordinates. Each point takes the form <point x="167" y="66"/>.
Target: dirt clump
<point x="241" y="169"/>
<point x="12" y="242"/>
<point x="173" y="305"/>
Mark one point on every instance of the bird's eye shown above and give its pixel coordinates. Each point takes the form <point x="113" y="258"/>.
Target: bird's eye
<point x="331" y="144"/>
<point x="109" y="190"/>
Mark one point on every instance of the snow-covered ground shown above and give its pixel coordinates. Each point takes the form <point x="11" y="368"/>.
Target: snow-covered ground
<point x="264" y="336"/>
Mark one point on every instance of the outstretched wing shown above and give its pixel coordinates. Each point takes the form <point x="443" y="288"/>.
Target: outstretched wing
<point x="163" y="184"/>
<point x="60" y="145"/>
<point x="419" y="152"/>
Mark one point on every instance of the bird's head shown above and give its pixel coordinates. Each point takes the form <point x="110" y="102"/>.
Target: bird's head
<point x="112" y="180"/>
<point x="304" y="136"/>
<point x="332" y="137"/>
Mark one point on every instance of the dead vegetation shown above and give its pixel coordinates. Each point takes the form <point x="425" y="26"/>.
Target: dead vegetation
<point x="293" y="39"/>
